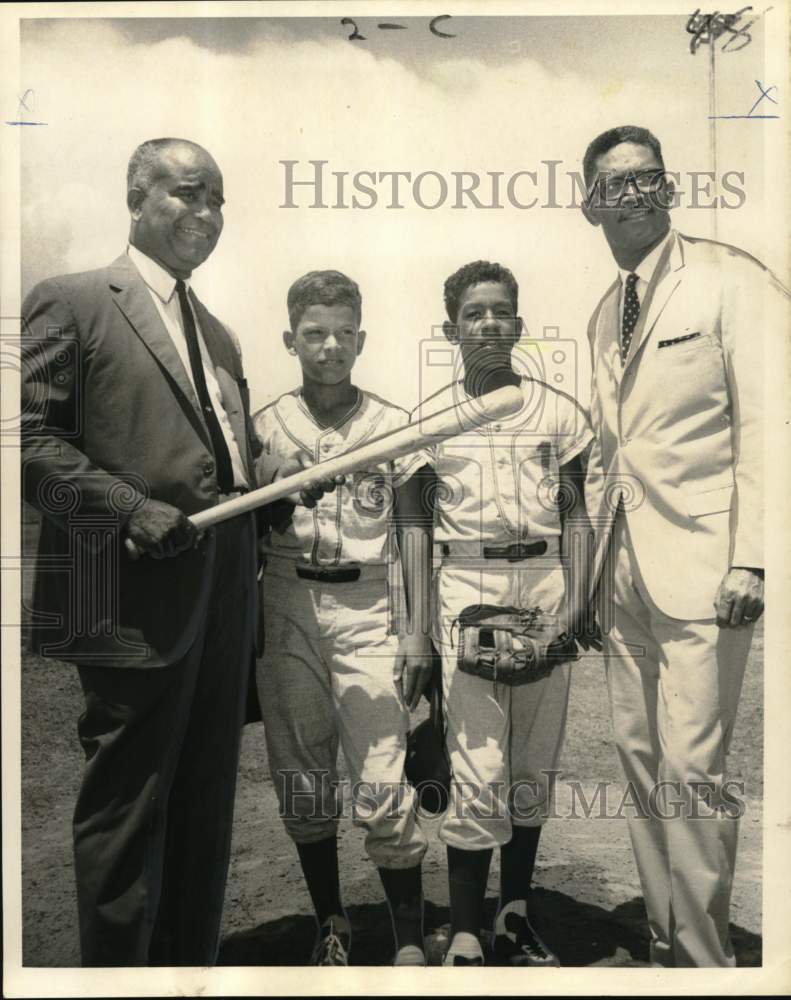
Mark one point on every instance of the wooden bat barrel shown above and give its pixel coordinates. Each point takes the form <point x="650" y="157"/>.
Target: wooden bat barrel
<point x="468" y="414"/>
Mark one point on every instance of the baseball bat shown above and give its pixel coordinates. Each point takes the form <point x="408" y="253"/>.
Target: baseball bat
<point x="469" y="414"/>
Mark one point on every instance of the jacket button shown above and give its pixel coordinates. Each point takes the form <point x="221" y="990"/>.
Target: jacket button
<point x="208" y="468"/>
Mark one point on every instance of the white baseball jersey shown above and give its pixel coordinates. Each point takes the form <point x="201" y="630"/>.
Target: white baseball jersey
<point x="351" y="525"/>
<point x="499" y="484"/>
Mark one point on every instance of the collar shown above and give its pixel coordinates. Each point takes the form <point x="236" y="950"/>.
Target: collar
<point x="160" y="281"/>
<point x="645" y="269"/>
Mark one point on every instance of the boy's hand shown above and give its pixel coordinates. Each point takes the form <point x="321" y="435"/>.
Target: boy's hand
<point x="309" y="495"/>
<point x="584" y="627"/>
<point x="589" y="635"/>
<point x="415" y="660"/>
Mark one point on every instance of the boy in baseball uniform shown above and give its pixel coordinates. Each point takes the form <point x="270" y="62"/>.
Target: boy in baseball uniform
<point x="508" y="501"/>
<point x="334" y="669"/>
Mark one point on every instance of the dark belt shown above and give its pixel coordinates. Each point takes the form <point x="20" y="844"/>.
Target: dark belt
<point x="513" y="553"/>
<point x="346" y="575"/>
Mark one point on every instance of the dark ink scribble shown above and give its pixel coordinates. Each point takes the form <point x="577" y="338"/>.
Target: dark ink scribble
<point x="433" y="26"/>
<point x="355" y="36"/>
<point x="707" y="28"/>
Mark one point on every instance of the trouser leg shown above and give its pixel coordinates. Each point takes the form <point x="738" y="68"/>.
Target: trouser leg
<point x="674" y="687"/>
<point x="503" y="742"/>
<point x="296" y="703"/>
<point x="130" y="731"/>
<point x="632" y="668"/>
<point x="373" y="720"/>
<point x="701" y="674"/>
<point x="134" y="730"/>
<point x="201" y="806"/>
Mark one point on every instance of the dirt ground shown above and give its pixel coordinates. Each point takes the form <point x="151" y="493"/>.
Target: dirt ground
<point x="588" y="904"/>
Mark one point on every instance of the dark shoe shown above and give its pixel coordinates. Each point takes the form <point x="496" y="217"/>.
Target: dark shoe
<point x="333" y="942"/>
<point x="515" y="940"/>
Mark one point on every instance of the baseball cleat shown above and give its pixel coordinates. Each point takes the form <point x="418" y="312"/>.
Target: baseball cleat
<point x="410" y="954"/>
<point x="333" y="942"/>
<point x="462" y="951"/>
<point x="516" y="941"/>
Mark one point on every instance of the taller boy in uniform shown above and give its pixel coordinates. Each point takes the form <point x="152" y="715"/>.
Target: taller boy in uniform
<point x="334" y="668"/>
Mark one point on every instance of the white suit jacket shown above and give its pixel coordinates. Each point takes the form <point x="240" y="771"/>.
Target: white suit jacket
<point x="679" y="427"/>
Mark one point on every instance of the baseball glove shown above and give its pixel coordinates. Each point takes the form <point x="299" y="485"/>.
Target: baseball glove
<point x="509" y="645"/>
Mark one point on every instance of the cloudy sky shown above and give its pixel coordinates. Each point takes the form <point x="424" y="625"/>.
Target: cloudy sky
<point x="504" y="95"/>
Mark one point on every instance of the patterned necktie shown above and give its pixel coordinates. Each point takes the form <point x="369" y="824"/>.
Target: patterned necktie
<point x="221" y="454"/>
<point x="631" y="310"/>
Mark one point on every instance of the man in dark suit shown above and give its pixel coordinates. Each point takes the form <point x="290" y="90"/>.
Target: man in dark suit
<point x="136" y="415"/>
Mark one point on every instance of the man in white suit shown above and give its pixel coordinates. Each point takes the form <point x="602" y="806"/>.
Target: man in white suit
<point x="676" y="408"/>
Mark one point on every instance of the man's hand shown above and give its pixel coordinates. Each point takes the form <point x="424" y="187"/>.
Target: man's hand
<point x="160" y="530"/>
<point x="740" y="598"/>
<point x="415" y="659"/>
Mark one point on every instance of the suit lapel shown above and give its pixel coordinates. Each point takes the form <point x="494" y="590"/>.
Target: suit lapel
<point x="208" y="331"/>
<point x="664" y="282"/>
<point x="218" y="349"/>
<point x="134" y="301"/>
<point x="608" y="333"/>
<point x="223" y="358"/>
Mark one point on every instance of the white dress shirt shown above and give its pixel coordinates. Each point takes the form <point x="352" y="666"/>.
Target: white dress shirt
<point x="644" y="271"/>
<point x="162" y="287"/>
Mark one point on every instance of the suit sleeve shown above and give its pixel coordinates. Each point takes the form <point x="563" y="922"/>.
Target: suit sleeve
<point x="574" y="433"/>
<point x="755" y="306"/>
<point x="594" y="473"/>
<point x="58" y="478"/>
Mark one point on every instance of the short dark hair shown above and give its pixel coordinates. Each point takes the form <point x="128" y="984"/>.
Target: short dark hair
<point x="612" y="137"/>
<point x="476" y="273"/>
<point x="323" y="288"/>
<point x="145" y="163"/>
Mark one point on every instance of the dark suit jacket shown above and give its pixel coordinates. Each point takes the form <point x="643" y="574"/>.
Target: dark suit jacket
<point x="109" y="418"/>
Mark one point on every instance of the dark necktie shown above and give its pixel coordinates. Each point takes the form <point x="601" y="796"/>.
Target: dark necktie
<point x="631" y="310"/>
<point x="222" y="456"/>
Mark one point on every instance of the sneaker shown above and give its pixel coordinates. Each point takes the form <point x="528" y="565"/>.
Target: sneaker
<point x="516" y="941"/>
<point x="333" y="942"/>
<point x="410" y="954"/>
<point x="459" y="951"/>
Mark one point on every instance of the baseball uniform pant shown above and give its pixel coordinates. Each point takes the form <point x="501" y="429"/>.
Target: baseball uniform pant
<point x="152" y="823"/>
<point x="503" y="742"/>
<point x="328" y="677"/>
<point x="674" y="689"/>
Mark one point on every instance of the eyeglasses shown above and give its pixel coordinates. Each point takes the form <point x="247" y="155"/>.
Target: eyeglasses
<point x="612" y="188"/>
